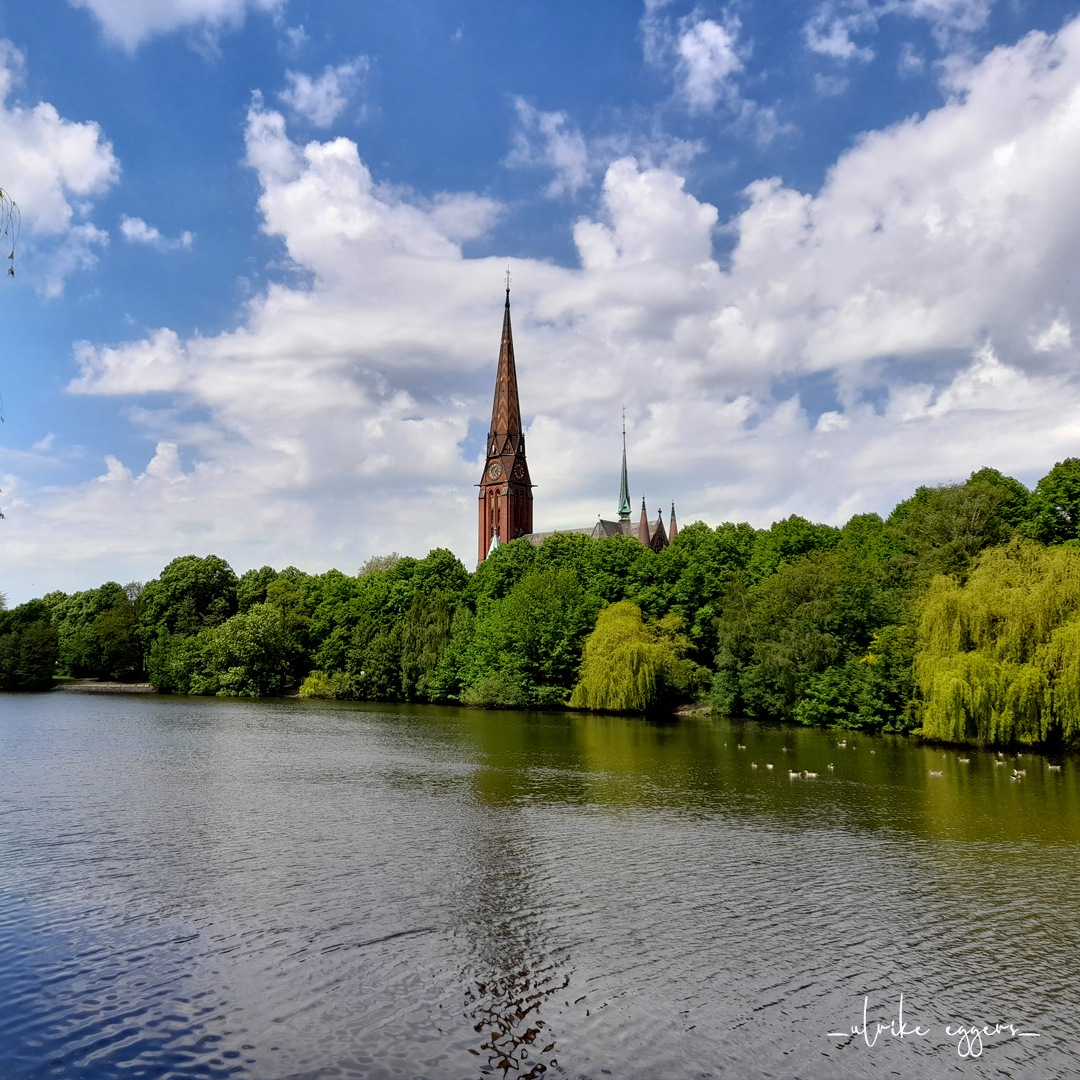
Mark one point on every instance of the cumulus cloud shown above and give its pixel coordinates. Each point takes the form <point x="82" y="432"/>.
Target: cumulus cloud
<point x="52" y="168"/>
<point x="705" y="59"/>
<point x="925" y="286"/>
<point x="550" y="140"/>
<point x="708" y="61"/>
<point x="131" y="22"/>
<point x="136" y="231"/>
<point x="321" y="101"/>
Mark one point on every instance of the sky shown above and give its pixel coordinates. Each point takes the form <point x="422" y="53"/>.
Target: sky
<point x="822" y="252"/>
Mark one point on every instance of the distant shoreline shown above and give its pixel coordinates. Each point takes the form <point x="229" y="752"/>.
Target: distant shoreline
<point x="93" y="687"/>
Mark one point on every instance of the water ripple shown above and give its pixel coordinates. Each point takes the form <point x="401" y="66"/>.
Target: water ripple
<point x="195" y="889"/>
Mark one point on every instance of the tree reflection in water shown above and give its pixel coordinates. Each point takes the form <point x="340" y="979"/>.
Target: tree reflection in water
<point x="519" y="963"/>
<point x="506" y="1011"/>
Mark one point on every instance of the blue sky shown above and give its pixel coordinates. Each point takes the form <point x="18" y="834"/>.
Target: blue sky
<point x="821" y="251"/>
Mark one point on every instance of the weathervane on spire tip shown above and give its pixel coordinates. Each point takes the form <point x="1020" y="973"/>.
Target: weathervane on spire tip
<point x="508" y="279"/>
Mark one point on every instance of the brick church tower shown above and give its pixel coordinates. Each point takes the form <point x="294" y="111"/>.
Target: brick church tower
<point x="506" y="502"/>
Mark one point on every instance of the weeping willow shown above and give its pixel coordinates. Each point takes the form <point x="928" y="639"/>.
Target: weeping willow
<point x="624" y="663"/>
<point x="998" y="658"/>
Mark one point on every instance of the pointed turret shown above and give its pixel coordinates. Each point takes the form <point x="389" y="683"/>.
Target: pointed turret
<point x="658" y="538"/>
<point x="674" y="530"/>
<point x="505" y="488"/>
<point x="624" y="487"/>
<point x="643" y="524"/>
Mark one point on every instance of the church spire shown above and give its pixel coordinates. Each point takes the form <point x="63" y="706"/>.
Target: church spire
<point x="674" y="530"/>
<point x="624" y="487"/>
<point x="505" y="487"/>
<point x="643" y="532"/>
<point x="505" y="410"/>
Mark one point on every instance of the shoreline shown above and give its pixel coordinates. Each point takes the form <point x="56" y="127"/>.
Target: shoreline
<point x="87" y="686"/>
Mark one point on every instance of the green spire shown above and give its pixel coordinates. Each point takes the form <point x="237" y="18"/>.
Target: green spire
<point x="624" y="487"/>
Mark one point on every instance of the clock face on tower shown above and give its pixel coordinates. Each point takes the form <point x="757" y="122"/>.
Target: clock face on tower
<point x="519" y="471"/>
<point x="494" y="471"/>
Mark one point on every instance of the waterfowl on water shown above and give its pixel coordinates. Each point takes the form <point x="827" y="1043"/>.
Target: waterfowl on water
<point x="873" y="751"/>
<point x="964" y="760"/>
<point x="831" y="766"/>
<point x="1054" y="768"/>
<point x="768" y="765"/>
<point x="740" y="746"/>
<point x="999" y="762"/>
<point x="1014" y="777"/>
<point x="753" y="764"/>
<point x="844" y="743"/>
<point x="1019" y="772"/>
<point x="793" y="774"/>
<point x="932" y="773"/>
<point x="810" y="775"/>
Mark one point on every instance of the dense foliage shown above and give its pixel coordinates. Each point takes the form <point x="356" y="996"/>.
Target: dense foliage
<point x="956" y="615"/>
<point x="999" y="657"/>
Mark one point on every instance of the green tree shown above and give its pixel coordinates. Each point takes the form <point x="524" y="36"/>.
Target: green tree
<point x="531" y="639"/>
<point x="630" y="667"/>
<point x="247" y="655"/>
<point x="942" y="529"/>
<point x="1018" y="506"/>
<point x="424" y="637"/>
<point x="83" y="653"/>
<point x="1057" y="503"/>
<point x="870" y="693"/>
<point x="28" y="655"/>
<point x="252" y="585"/>
<point x="117" y="634"/>
<point x="501" y="571"/>
<point x="192" y="593"/>
<point x="998" y="657"/>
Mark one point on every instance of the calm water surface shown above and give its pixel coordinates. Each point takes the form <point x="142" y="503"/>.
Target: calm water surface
<point x="202" y="888"/>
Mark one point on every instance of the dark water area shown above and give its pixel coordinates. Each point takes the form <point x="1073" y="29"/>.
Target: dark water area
<point x="269" y="890"/>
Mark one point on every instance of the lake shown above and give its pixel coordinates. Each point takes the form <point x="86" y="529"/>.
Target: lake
<point x="289" y="889"/>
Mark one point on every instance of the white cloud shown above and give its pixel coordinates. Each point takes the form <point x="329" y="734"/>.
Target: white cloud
<point x="950" y="20"/>
<point x="1058" y="335"/>
<point x="52" y="167"/>
<point x="131" y="22"/>
<point x="321" y="101"/>
<point x="829" y="85"/>
<point x="76" y="250"/>
<point x="136" y="231"/>
<point x="910" y="62"/>
<point x="46" y="443"/>
<point x="562" y="148"/>
<point x="708" y="61"/>
<point x="552" y="141"/>
<point x="297" y="36"/>
<point x="928" y="282"/>
<point x="829" y="29"/>
<point x="705" y="60"/>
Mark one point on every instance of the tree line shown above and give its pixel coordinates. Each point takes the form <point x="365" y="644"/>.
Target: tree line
<point x="957" y="616"/>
